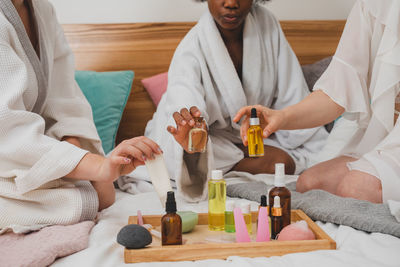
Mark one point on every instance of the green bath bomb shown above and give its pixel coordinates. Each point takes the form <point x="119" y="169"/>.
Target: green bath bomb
<point x="189" y="220"/>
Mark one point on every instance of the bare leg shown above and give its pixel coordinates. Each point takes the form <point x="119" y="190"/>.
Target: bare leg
<point x="265" y="164"/>
<point x="360" y="185"/>
<point x="325" y="175"/>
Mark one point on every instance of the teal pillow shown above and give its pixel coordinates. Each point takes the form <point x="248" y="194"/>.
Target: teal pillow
<point x="107" y="93"/>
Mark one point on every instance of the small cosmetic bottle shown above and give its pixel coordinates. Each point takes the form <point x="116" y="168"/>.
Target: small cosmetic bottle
<point x="264" y="204"/>
<point x="229" y="217"/>
<point x="255" y="136"/>
<point x="171" y="223"/>
<point x="283" y="193"/>
<point x="216" y="201"/>
<point x="263" y="225"/>
<point x="198" y="136"/>
<point x="245" y="207"/>
<point x="276" y="219"/>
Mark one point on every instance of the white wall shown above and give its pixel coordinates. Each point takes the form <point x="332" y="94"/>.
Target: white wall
<point x="120" y="11"/>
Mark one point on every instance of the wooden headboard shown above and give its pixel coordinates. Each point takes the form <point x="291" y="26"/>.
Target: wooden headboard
<point x="147" y="49"/>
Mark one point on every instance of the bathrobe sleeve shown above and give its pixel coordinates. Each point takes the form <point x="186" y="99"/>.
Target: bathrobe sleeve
<point x="27" y="154"/>
<point x="66" y="111"/>
<point x="345" y="80"/>
<point x="190" y="171"/>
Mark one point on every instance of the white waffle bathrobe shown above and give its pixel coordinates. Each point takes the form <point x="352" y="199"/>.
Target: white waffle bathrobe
<point x="202" y="74"/>
<point x="41" y="103"/>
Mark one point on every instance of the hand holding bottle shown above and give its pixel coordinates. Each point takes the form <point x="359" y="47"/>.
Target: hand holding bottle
<point x="186" y="121"/>
<point x="270" y="120"/>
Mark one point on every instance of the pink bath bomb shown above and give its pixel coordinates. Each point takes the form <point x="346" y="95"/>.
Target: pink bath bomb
<point x="296" y="231"/>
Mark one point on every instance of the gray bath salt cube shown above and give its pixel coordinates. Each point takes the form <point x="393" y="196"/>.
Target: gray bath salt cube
<point x="134" y="236"/>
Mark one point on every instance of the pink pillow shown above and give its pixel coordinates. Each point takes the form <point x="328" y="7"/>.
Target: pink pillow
<point x="156" y="86"/>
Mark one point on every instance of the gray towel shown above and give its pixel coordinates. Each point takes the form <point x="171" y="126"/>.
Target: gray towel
<point x="322" y="206"/>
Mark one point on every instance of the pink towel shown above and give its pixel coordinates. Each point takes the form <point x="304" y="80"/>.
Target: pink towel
<point x="44" y="247"/>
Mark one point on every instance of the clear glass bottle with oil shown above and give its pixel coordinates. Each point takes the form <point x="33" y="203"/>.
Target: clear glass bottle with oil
<point x="198" y="136"/>
<point x="216" y="201"/>
<point x="229" y="217"/>
<point x="246" y="210"/>
<point x="255" y="136"/>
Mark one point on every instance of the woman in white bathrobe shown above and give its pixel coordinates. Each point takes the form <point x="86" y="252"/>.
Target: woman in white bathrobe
<point x="49" y="146"/>
<point x="363" y="84"/>
<point x="236" y="55"/>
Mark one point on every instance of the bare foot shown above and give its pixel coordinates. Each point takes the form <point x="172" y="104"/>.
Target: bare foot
<point x="325" y="176"/>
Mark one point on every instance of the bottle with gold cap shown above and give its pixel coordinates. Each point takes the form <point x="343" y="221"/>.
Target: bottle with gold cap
<point x="283" y="193"/>
<point x="276" y="218"/>
<point x="255" y="136"/>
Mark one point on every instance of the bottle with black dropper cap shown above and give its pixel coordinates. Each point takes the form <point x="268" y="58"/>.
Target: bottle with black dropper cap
<point x="255" y="136"/>
<point x="171" y="223"/>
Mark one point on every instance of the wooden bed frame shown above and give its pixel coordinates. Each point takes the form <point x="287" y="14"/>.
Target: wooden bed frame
<point x="147" y="49"/>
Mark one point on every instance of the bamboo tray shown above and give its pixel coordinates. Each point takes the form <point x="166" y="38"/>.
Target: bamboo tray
<point x="195" y="247"/>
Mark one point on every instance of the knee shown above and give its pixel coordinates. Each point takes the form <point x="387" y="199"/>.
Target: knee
<point x="290" y="165"/>
<point x="307" y="181"/>
<point x="361" y="186"/>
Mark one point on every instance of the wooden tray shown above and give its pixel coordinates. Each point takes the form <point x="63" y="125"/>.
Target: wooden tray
<point x="195" y="247"/>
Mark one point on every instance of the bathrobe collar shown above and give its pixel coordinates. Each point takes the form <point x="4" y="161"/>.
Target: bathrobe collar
<point x="40" y="66"/>
<point x="221" y="65"/>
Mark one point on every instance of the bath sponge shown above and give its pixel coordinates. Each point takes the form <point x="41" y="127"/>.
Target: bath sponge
<point x="189" y="220"/>
<point x="296" y="231"/>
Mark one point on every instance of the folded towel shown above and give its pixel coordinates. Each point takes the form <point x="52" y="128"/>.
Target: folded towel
<point x="44" y="247"/>
<point x="322" y="206"/>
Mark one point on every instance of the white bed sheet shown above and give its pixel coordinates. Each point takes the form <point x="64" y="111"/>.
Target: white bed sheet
<point x="354" y="248"/>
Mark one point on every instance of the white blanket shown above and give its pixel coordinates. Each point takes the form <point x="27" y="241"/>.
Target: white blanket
<point x="354" y="248"/>
<point x="202" y="74"/>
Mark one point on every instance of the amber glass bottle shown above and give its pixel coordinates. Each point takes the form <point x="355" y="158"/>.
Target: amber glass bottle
<point x="276" y="218"/>
<point x="171" y="223"/>
<point x="198" y="136"/>
<point x="255" y="136"/>
<point x="283" y="193"/>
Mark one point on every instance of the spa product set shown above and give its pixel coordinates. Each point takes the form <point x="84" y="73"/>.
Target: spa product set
<point x="236" y="217"/>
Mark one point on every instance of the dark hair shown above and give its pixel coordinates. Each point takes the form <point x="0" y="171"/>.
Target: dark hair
<point x="255" y="1"/>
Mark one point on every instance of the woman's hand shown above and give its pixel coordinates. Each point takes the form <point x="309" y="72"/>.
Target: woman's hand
<point x="184" y="123"/>
<point x="270" y="120"/>
<point x="126" y="157"/>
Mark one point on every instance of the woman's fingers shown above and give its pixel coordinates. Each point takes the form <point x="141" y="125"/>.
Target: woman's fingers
<point x="187" y="116"/>
<point x="154" y="146"/>
<point x="195" y="112"/>
<point x="243" y="131"/>
<point x="128" y="150"/>
<point x="271" y="121"/>
<point x="243" y="111"/>
<point x="120" y="160"/>
<point x="179" y="120"/>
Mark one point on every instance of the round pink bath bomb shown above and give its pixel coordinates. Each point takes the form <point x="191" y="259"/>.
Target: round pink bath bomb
<point x="296" y="231"/>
